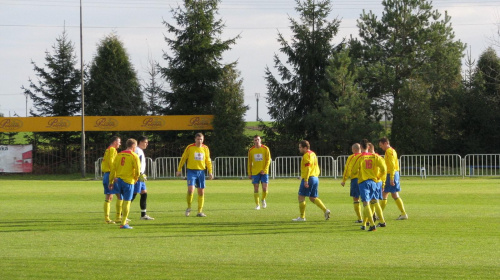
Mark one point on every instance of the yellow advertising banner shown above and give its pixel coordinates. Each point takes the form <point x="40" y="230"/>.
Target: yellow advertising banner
<point x="107" y="123"/>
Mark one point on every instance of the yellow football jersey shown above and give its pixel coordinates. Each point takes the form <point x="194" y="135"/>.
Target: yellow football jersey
<point x="369" y="167"/>
<point x="127" y="166"/>
<point x="108" y="159"/>
<point x="309" y="165"/>
<point x="348" y="171"/>
<point x="259" y="159"/>
<point x="198" y="158"/>
<point x="392" y="162"/>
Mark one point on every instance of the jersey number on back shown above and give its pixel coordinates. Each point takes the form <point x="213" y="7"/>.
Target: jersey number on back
<point x="368" y="164"/>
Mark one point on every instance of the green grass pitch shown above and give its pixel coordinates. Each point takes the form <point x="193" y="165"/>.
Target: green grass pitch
<point x="53" y="228"/>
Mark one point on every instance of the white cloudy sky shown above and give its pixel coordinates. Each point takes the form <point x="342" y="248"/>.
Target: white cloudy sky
<point x="28" y="28"/>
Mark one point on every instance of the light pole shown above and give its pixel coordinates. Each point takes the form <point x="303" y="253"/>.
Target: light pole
<point x="82" y="95"/>
<point x="257" y="96"/>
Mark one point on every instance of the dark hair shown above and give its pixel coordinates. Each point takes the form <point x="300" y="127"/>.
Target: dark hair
<point x="364" y="144"/>
<point x="383" y="140"/>
<point x="305" y="144"/>
<point x="113" y="139"/>
<point x="142" y="138"/>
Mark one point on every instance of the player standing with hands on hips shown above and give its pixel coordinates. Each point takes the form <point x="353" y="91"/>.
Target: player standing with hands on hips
<point x="198" y="159"/>
<point x="259" y="159"/>
<point x="125" y="173"/>
<point x="309" y="172"/>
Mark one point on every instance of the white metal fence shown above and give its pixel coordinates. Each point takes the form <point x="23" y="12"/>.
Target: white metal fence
<point x="430" y="165"/>
<point x="289" y="167"/>
<point x="482" y="165"/>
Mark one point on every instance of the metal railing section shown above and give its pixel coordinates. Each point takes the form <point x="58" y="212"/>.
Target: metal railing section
<point x="166" y="167"/>
<point x="230" y="167"/>
<point x="482" y="165"/>
<point x="289" y="167"/>
<point x="430" y="165"/>
<point x="286" y="167"/>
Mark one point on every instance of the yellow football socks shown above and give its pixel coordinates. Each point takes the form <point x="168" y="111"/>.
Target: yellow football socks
<point x="357" y="209"/>
<point x="256" y="198"/>
<point x="399" y="203"/>
<point x="126" y="211"/>
<point x="201" y="201"/>
<point x="383" y="203"/>
<point x="302" y="208"/>
<point x="119" y="206"/>
<point x="264" y="195"/>
<point x="107" y="209"/>
<point x="320" y="204"/>
<point x="378" y="210"/>
<point x="367" y="213"/>
<point x="189" y="199"/>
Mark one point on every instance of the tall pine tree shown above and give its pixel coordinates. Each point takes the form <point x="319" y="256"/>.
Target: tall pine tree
<point x="57" y="89"/>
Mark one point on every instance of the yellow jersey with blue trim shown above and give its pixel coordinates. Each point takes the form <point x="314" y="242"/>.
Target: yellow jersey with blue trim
<point x="108" y="159"/>
<point x="309" y="165"/>
<point x="348" y="171"/>
<point x="127" y="166"/>
<point x="198" y="158"/>
<point x="369" y="167"/>
<point x="392" y="162"/>
<point x="259" y="160"/>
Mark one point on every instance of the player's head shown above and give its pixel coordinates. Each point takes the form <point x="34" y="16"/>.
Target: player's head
<point x="304" y="146"/>
<point x="131" y="143"/>
<point x="115" y="141"/>
<point x="142" y="142"/>
<point x="383" y="143"/>
<point x="356" y="148"/>
<point x="198" y="139"/>
<point x="257" y="141"/>
<point x="364" y="145"/>
<point x="371" y="148"/>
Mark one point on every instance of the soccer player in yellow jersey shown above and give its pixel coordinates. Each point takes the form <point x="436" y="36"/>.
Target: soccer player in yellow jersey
<point x="198" y="159"/>
<point x="106" y="165"/>
<point x="353" y="174"/>
<point x="309" y="172"/>
<point x="392" y="184"/>
<point x="368" y="166"/>
<point x="375" y="204"/>
<point x="259" y="159"/>
<point x="124" y="174"/>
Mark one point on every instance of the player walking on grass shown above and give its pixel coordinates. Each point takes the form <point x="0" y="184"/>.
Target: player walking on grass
<point x="368" y="166"/>
<point x="309" y="172"/>
<point x="125" y="173"/>
<point x="198" y="159"/>
<point x="392" y="184"/>
<point x="259" y="159"/>
<point x="353" y="174"/>
<point x="106" y="165"/>
<point x="140" y="186"/>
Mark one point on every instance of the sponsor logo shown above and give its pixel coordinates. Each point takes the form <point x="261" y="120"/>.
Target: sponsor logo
<point x="153" y="123"/>
<point x="106" y="123"/>
<point x="199" y="122"/>
<point x="58" y="123"/>
<point x="11" y="124"/>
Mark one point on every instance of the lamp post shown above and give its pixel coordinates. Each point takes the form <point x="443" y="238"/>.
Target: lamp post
<point x="257" y="96"/>
<point x="82" y="96"/>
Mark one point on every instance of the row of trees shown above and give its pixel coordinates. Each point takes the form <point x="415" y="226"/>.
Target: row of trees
<point x="405" y="67"/>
